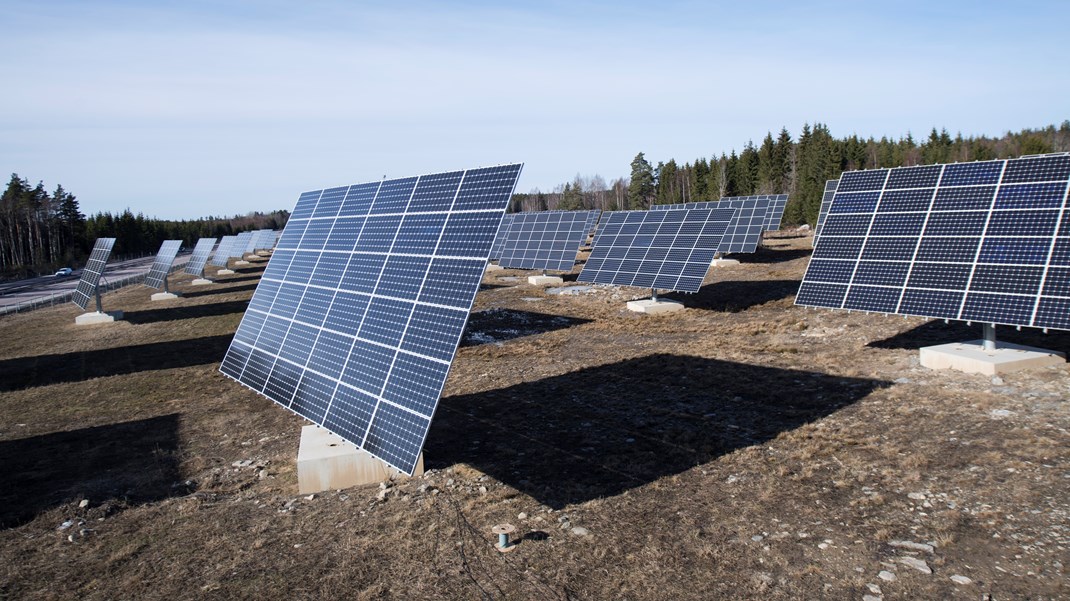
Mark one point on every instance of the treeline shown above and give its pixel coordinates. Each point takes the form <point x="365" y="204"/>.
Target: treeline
<point x="41" y="231"/>
<point x="798" y="167"/>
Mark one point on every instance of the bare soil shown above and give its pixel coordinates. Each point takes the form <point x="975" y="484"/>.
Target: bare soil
<point x="742" y="448"/>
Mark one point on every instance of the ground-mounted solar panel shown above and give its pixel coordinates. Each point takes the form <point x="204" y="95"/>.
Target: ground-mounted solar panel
<point x="986" y="241"/>
<point x="499" y="238"/>
<point x="357" y="317"/>
<point x="663" y="250"/>
<point x="777" y="204"/>
<point x="222" y="252"/>
<point x="260" y="240"/>
<point x="91" y="273"/>
<point x="592" y="223"/>
<point x="823" y="211"/>
<point x="237" y="250"/>
<point x="161" y="266"/>
<point x="199" y="258"/>
<point x="744" y="234"/>
<point x="546" y="240"/>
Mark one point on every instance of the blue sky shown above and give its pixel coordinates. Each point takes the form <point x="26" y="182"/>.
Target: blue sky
<point x="195" y="108"/>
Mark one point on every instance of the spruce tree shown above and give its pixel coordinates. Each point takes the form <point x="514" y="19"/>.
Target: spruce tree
<point x="641" y="187"/>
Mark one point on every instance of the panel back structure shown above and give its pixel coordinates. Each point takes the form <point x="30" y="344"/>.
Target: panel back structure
<point x="161" y="266"/>
<point x="199" y="258"/>
<point x="237" y="250"/>
<point x="664" y="250"/>
<point x="222" y="252"/>
<point x="499" y="238"/>
<point x="823" y="211"/>
<point x="91" y="273"/>
<point x="357" y="317"/>
<point x="986" y="241"/>
<point x="546" y="240"/>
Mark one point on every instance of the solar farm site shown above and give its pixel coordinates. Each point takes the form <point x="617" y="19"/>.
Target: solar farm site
<point x="745" y="447"/>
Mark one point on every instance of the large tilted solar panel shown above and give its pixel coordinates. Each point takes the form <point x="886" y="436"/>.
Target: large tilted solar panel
<point x="195" y="266"/>
<point x="986" y="241"/>
<point x="161" y="266"/>
<point x="548" y="240"/>
<point x="94" y="268"/>
<point x="237" y="250"/>
<point x="823" y="211"/>
<point x="359" y="312"/>
<point x="222" y="252"/>
<point x="499" y="239"/>
<point x="665" y="250"/>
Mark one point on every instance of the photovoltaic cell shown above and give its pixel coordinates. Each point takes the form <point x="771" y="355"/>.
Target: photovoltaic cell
<point x="985" y="241"/>
<point x="161" y="266"/>
<point x="358" y="314"/>
<point x="499" y="239"/>
<point x="826" y="202"/>
<point x="94" y="268"/>
<point x="744" y="233"/>
<point x="197" y="260"/>
<point x="547" y="240"/>
<point x="237" y="249"/>
<point x="222" y="252"/>
<point x="665" y="250"/>
<point x="773" y="217"/>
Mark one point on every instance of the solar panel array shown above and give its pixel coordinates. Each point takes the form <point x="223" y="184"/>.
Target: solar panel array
<point x="665" y="250"/>
<point x="222" y="252"/>
<point x="773" y="217"/>
<point x="237" y="250"/>
<point x="197" y="260"/>
<point x="986" y="241"/>
<point x="499" y="239"/>
<point x="94" y="268"/>
<point x="547" y="240"/>
<point x="744" y="233"/>
<point x="261" y="239"/>
<point x="592" y="222"/>
<point x="161" y="267"/>
<point x="359" y="312"/>
<point x="823" y="211"/>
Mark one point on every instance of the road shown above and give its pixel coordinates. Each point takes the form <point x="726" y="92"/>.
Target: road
<point x="13" y="293"/>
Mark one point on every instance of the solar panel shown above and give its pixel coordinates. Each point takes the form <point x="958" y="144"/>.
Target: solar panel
<point x="744" y="233"/>
<point x="826" y="202"/>
<point x="260" y="240"/>
<point x="777" y="204"/>
<point x="499" y="238"/>
<point x="547" y="240"/>
<point x="357" y="317"/>
<point x="592" y="222"/>
<point x="195" y="266"/>
<point x="664" y="250"/>
<point x="161" y="267"/>
<point x="94" y="268"/>
<point x="237" y="250"/>
<point x="986" y="241"/>
<point x="222" y="252"/>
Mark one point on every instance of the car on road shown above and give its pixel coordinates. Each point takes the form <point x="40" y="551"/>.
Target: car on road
<point x="62" y="273"/>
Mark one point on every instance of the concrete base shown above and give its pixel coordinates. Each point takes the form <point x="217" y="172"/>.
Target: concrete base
<point x="971" y="357"/>
<point x="164" y="296"/>
<point x="200" y="282"/>
<point x="241" y="263"/>
<point x="87" y="319"/>
<point x="570" y="290"/>
<point x="263" y="253"/>
<point x="655" y="307"/>
<point x="493" y="267"/>
<point x="725" y="262"/>
<point x="545" y="280"/>
<point x="326" y="462"/>
<point x="225" y="272"/>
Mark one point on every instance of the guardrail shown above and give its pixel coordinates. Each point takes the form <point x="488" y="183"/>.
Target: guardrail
<point x="60" y="298"/>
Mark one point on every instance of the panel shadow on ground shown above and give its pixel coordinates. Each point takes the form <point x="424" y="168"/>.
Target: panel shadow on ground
<point x="936" y="332"/>
<point x="42" y="370"/>
<point x="766" y="254"/>
<point x="499" y="325"/>
<point x="733" y="296"/>
<point x="603" y="430"/>
<point x="220" y="290"/>
<point x="130" y="462"/>
<point x="185" y="312"/>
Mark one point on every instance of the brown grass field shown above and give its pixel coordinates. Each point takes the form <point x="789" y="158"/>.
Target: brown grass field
<point x="744" y="448"/>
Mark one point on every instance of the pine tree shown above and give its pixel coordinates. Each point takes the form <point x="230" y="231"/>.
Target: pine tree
<point x="641" y="187"/>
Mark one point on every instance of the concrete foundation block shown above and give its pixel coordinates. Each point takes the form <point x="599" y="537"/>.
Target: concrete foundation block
<point x="160" y="296"/>
<point x="725" y="262"/>
<point x="655" y="307"/>
<point x="493" y="267"/>
<point x="200" y="282"/>
<point x="570" y="290"/>
<point x="971" y="357"/>
<point x="225" y="272"/>
<point x="87" y="319"/>
<point x="241" y="263"/>
<point x="545" y="280"/>
<point x="327" y="462"/>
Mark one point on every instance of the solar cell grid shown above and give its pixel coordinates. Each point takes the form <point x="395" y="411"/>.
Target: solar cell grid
<point x="222" y="252"/>
<point x="92" y="272"/>
<point x="197" y="260"/>
<point x="773" y="217"/>
<point x="161" y="266"/>
<point x="547" y="240"/>
<point x="499" y="238"/>
<point x="823" y="211"/>
<point x="971" y="241"/>
<point x="359" y="337"/>
<point x="237" y="249"/>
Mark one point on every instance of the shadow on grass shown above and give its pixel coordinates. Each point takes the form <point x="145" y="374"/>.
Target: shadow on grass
<point x="765" y="254"/>
<point x="251" y="269"/>
<point x="499" y="325"/>
<point x="223" y="279"/>
<point x="219" y="290"/>
<point x="735" y="296"/>
<point x="937" y="332"/>
<point x="133" y="462"/>
<point x="187" y="312"/>
<point x="42" y="370"/>
<point x="600" y="431"/>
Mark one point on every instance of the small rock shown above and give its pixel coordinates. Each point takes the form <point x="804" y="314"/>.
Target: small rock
<point x="579" y="531"/>
<point x="822" y="546"/>
<point x="1000" y="413"/>
<point x="959" y="579"/>
<point x="384" y="485"/>
<point x="902" y="380"/>
<point x="997" y="381"/>
<point x="310" y="497"/>
<point x="873" y="588"/>
<point x="917" y="496"/>
<point x="886" y="576"/>
<point x="917" y="564"/>
<point x="482" y="490"/>
<point x="262" y="474"/>
<point x="906" y="544"/>
<point x="83" y="503"/>
<point x="757" y="538"/>
<point x="521" y="516"/>
<point x="66" y="525"/>
<point x="381" y="495"/>
<point x="872" y="598"/>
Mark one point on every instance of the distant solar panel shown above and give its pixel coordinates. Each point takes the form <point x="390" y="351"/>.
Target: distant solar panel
<point x="91" y="273"/>
<point x="197" y="260"/>
<point x="161" y="266"/>
<point x="592" y="222"/>
<point x="357" y="317"/>
<point x="823" y="211"/>
<point x="664" y="250"/>
<point x="777" y="204"/>
<point x="499" y="239"/>
<point x="237" y="250"/>
<point x="986" y="241"/>
<point x="548" y="240"/>
<point x="775" y="214"/>
<point x="261" y="239"/>
<point x="222" y="252"/>
<point x="744" y="233"/>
